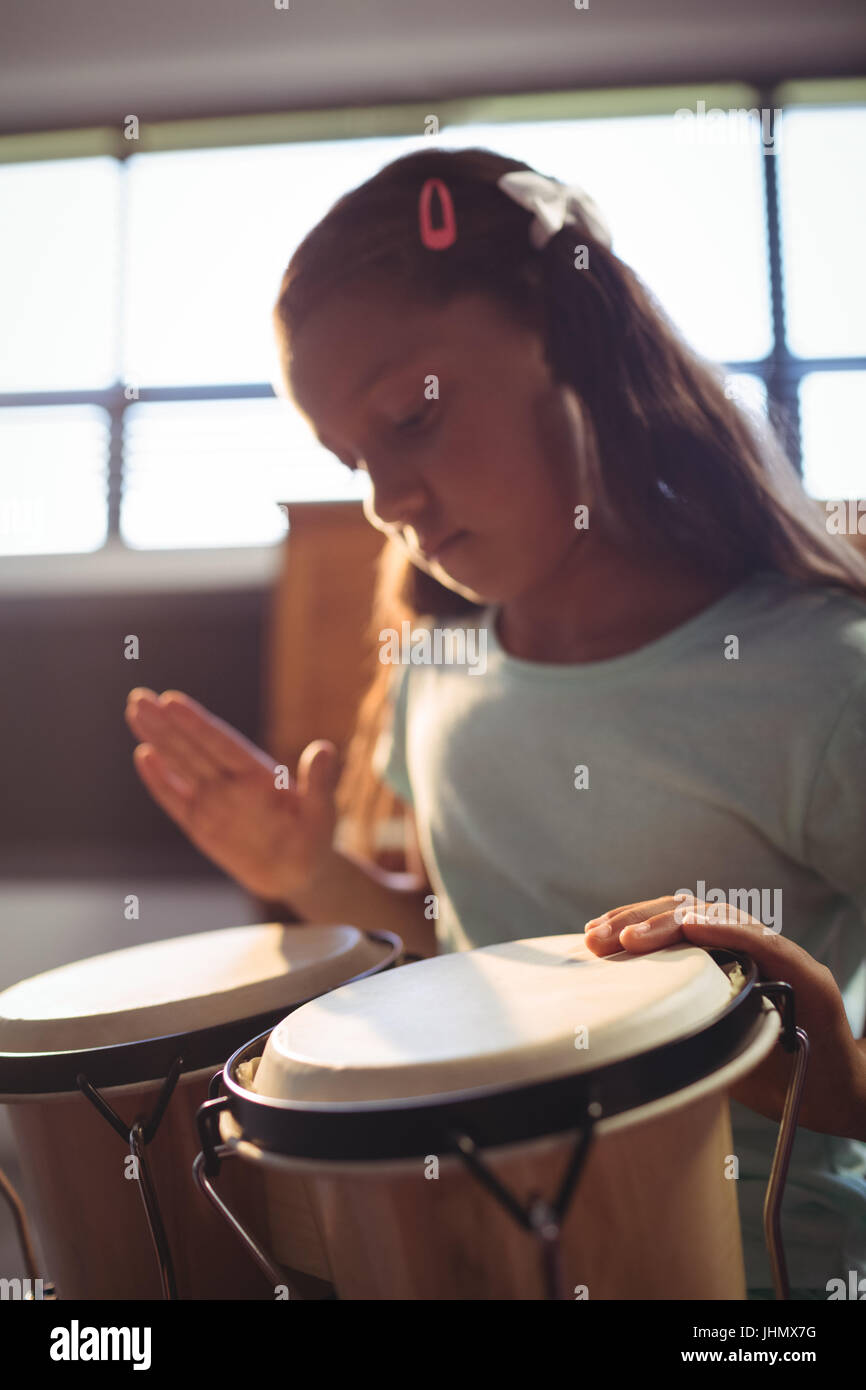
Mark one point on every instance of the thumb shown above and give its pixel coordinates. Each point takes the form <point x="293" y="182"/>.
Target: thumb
<point x="319" y="773"/>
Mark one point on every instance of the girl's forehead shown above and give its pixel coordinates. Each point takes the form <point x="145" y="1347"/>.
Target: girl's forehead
<point x="342" y="350"/>
<point x="351" y="328"/>
<point x="350" y="340"/>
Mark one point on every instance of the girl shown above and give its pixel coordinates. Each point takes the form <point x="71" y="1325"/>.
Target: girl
<point x="674" y="695"/>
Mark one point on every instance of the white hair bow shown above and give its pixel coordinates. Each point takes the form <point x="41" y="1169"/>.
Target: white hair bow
<point x="554" y="204"/>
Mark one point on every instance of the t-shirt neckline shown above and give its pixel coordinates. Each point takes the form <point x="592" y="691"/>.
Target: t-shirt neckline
<point x="612" y="667"/>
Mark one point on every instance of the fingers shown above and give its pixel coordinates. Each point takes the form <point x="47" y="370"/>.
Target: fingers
<point x="630" y="912"/>
<point x="196" y="741"/>
<point x="641" y="928"/>
<point x="647" y="931"/>
<point x="318" y="774"/>
<point x="150" y="720"/>
<point x="213" y="739"/>
<point x="168" y="790"/>
<point x="661" y="929"/>
<point x="648" y="934"/>
<point x="619" y="929"/>
<point x="647" y="926"/>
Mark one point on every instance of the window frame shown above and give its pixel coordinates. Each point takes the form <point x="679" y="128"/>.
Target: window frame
<point x="780" y="370"/>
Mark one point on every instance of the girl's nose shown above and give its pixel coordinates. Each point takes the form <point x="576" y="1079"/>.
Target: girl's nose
<point x="401" y="503"/>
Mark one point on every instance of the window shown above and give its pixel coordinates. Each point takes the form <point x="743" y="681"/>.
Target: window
<point x="53" y="473"/>
<point x="822" y="196"/>
<point x="831" y="406"/>
<point x="822" y="183"/>
<point x="210" y="233"/>
<point x="687" y="216"/>
<point x="136" y="399"/>
<point x="208" y="473"/>
<point x="59" y="274"/>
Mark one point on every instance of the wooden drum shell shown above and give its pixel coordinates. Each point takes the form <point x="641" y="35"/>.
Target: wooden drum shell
<point x="448" y="1238"/>
<point x="655" y="1214"/>
<point x="90" y="1217"/>
<point x="76" y="1168"/>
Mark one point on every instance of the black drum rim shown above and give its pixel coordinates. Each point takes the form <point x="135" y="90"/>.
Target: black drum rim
<point x="495" y="1116"/>
<point x="146" y="1060"/>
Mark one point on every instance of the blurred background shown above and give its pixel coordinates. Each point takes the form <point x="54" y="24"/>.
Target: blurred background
<point x="158" y="165"/>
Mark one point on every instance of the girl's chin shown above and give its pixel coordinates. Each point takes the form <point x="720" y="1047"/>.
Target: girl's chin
<point x="465" y="580"/>
<point x="462" y="572"/>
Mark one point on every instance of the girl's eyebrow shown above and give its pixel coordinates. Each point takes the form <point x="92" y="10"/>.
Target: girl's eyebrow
<point x="370" y="378"/>
<point x="382" y="368"/>
<point x="402" y="362"/>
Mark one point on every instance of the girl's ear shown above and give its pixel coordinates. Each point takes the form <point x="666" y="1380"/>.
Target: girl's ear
<point x="580" y="448"/>
<point x="573" y="408"/>
<point x="568" y="433"/>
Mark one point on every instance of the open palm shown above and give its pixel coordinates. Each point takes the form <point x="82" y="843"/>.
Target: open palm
<point x="267" y="830"/>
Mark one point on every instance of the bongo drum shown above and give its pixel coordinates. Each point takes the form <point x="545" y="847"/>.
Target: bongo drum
<point x="105" y="1063"/>
<point x="522" y="1121"/>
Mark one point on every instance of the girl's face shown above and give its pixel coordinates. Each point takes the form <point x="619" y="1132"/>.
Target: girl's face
<point x="478" y="482"/>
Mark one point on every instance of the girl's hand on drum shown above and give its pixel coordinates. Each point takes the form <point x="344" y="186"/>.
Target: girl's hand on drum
<point x="268" y="830"/>
<point x="834" y="1095"/>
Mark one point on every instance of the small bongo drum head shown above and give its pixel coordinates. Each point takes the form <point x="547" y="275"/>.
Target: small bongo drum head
<point x="187" y="983"/>
<point x="510" y="1014"/>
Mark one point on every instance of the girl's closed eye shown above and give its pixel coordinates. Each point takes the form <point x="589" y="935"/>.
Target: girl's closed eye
<point x="411" y="425"/>
<point x="412" y="422"/>
<point x="418" y="420"/>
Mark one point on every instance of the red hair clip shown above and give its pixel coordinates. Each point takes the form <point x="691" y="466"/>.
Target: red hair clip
<point x="437" y="238"/>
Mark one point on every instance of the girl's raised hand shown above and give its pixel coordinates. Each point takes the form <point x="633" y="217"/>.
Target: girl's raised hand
<point x="228" y="796"/>
<point x="834" y="1095"/>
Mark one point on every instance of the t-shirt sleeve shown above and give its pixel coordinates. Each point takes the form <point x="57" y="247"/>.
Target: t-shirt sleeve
<point x="835" y="820"/>
<point x="389" y="754"/>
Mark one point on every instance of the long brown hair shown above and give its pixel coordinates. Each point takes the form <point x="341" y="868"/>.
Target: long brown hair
<point x="668" y="454"/>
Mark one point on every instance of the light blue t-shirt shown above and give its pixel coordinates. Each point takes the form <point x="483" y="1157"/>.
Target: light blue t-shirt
<point x="546" y="794"/>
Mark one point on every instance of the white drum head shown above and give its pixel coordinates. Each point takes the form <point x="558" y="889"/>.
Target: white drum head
<point x="519" y="1012"/>
<point x="176" y="986"/>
